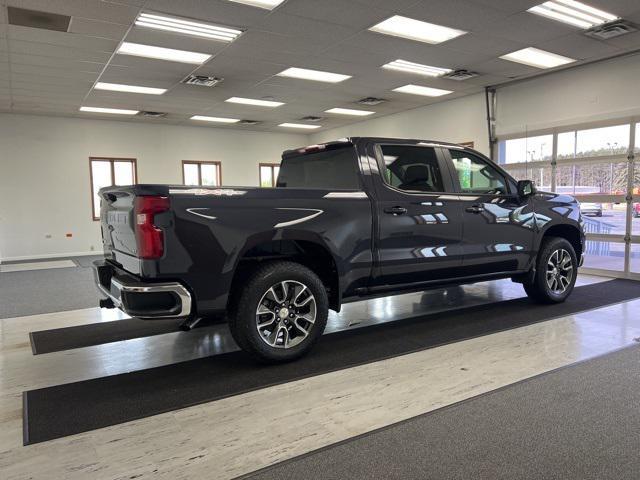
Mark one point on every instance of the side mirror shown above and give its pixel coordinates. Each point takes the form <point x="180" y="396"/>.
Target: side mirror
<point x="526" y="188"/>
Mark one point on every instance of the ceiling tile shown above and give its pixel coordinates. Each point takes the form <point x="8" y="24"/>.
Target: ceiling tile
<point x="528" y="28"/>
<point x="580" y="47"/>
<point x="62" y="39"/>
<point x="97" y="28"/>
<point x="351" y="14"/>
<point x="56" y="63"/>
<point x="459" y="14"/>
<point x="55" y="51"/>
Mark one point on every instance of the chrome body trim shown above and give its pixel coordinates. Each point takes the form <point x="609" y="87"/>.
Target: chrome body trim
<point x="316" y="212"/>
<point x="346" y="195"/>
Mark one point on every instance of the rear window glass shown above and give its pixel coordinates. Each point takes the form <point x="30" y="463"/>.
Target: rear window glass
<point x="335" y="169"/>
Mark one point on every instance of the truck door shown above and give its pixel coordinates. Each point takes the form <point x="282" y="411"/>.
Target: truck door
<point x="419" y="222"/>
<point x="497" y="225"/>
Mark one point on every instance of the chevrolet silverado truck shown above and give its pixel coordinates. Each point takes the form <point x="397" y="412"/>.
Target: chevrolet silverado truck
<point x="348" y="220"/>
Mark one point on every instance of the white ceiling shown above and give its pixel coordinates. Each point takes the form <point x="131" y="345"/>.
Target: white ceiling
<point x="50" y="72"/>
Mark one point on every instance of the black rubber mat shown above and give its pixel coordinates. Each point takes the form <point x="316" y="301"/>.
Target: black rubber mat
<point x="63" y="410"/>
<point x="58" y="339"/>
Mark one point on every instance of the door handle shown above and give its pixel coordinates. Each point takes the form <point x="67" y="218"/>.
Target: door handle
<point x="475" y="209"/>
<point x="395" y="210"/>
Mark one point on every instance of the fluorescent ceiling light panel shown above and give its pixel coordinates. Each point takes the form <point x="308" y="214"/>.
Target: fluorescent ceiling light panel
<point x="410" y="67"/>
<point x="116" y="87"/>
<point x="256" y="102"/>
<point x="161" y="53"/>
<point x="268" y="4"/>
<point x="315" y="75"/>
<point x="299" y="125"/>
<point x="203" y="118"/>
<point x="535" y="57"/>
<point x="417" y="30"/>
<point x="350" y="111"/>
<point x="188" y="27"/>
<point x="573" y="13"/>
<point x="115" y="111"/>
<point x="424" y="91"/>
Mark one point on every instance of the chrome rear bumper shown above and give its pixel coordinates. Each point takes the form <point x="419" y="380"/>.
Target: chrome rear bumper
<point x="141" y="299"/>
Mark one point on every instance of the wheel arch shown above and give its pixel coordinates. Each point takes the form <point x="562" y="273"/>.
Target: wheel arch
<point x="310" y="252"/>
<point x="571" y="233"/>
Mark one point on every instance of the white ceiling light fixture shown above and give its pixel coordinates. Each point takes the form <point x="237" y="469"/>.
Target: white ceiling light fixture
<point x="115" y="111"/>
<point x="117" y="87"/>
<point x="417" y="30"/>
<point x="161" y="53"/>
<point x="534" y="57"/>
<point x="266" y="4"/>
<point x="315" y="75"/>
<point x="411" y="67"/>
<point x="188" y="27"/>
<point x="203" y="118"/>
<point x="573" y="13"/>
<point x="255" y="102"/>
<point x="350" y="111"/>
<point x="424" y="91"/>
<point x="300" y="126"/>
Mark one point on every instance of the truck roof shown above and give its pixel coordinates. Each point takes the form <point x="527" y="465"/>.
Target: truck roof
<point x="353" y="140"/>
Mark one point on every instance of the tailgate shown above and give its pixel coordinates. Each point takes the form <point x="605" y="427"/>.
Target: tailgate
<point x="117" y="221"/>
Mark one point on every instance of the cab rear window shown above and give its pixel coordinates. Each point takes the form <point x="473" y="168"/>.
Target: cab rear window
<point x="334" y="169"/>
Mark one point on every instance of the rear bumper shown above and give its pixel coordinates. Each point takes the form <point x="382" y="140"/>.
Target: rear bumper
<point x="144" y="300"/>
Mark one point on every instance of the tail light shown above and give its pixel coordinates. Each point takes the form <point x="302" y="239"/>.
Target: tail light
<point x="149" y="238"/>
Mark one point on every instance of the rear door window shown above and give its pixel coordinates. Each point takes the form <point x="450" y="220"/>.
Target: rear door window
<point x="412" y="168"/>
<point x="331" y="169"/>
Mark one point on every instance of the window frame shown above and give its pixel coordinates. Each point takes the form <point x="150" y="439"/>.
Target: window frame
<point x="111" y="161"/>
<point x="199" y="163"/>
<point x="631" y="157"/>
<point x="272" y="169"/>
<point x="447" y="179"/>
<point x="509" y="182"/>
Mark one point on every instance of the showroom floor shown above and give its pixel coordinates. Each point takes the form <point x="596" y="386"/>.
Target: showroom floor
<point x="253" y="428"/>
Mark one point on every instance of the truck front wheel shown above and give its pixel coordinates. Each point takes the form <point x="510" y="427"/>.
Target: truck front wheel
<point x="280" y="313"/>
<point x="556" y="272"/>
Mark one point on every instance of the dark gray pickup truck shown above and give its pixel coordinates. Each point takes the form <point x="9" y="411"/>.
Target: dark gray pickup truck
<point x="349" y="220"/>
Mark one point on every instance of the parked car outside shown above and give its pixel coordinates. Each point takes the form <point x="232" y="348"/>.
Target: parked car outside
<point x="591" y="209"/>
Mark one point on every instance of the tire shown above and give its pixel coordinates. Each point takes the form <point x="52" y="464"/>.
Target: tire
<point x="286" y="309"/>
<point x="549" y="264"/>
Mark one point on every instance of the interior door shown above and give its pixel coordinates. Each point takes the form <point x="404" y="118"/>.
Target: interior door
<point x="419" y="226"/>
<point x="498" y="226"/>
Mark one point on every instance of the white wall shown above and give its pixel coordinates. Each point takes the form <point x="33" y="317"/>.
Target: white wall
<point x="44" y="172"/>
<point x="597" y="92"/>
<point x="458" y="120"/>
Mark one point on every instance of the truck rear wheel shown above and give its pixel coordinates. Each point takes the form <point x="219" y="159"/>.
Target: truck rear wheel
<point x="280" y="313"/>
<point x="556" y="272"/>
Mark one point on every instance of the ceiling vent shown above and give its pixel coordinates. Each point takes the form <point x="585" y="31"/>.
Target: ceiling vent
<point x="202" y="80"/>
<point x="152" y="114"/>
<point x="371" y="101"/>
<point x="460" y="75"/>
<point x="311" y="118"/>
<point x="37" y="19"/>
<point x="249" y="122"/>
<point x="611" y="30"/>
